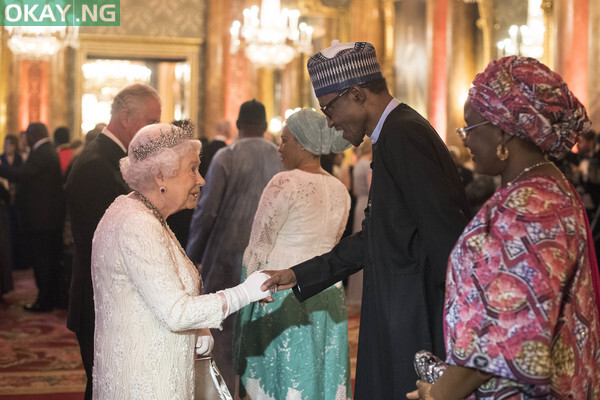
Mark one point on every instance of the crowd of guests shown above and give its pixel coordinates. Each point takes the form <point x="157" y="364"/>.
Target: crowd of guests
<point x="490" y="270"/>
<point x="32" y="192"/>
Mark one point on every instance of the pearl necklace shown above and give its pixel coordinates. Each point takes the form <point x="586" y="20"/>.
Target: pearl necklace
<point x="512" y="182"/>
<point x="162" y="221"/>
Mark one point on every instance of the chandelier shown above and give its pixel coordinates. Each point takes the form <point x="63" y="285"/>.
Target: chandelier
<point x="274" y="39"/>
<point x="103" y="79"/>
<point x="36" y="42"/>
<point x="526" y="40"/>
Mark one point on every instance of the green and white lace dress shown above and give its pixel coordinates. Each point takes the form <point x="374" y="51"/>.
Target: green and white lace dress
<point x="287" y="349"/>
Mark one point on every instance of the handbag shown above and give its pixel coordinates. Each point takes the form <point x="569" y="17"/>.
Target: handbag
<point x="428" y="366"/>
<point x="208" y="381"/>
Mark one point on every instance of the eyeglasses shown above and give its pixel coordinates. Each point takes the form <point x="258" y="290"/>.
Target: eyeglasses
<point x="336" y="98"/>
<point x="463" y="132"/>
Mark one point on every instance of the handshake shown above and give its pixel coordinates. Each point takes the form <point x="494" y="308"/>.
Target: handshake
<point x="236" y="297"/>
<point x="247" y="292"/>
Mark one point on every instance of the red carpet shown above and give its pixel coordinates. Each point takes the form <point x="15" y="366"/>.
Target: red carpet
<point x="39" y="356"/>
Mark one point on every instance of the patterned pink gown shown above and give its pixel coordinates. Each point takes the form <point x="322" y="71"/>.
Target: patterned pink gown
<point x="520" y="301"/>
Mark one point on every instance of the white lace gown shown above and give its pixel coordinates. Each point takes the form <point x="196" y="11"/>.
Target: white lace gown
<point x="148" y="307"/>
<point x="287" y="349"/>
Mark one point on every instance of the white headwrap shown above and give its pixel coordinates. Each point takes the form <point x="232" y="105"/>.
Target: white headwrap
<point x="311" y="130"/>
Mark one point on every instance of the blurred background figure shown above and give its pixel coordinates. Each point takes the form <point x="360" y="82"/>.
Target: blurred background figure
<point x="480" y="189"/>
<point x="41" y="207"/>
<point x="23" y="145"/>
<point x="465" y="173"/>
<point x="6" y="277"/>
<point x="223" y="137"/>
<point x="62" y="144"/>
<point x="11" y="158"/>
<point x="588" y="168"/>
<point x="361" y="183"/>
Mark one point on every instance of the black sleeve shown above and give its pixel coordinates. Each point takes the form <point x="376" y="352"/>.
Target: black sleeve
<point x="317" y="274"/>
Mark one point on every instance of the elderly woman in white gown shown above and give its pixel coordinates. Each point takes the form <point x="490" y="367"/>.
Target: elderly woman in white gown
<point x="286" y="349"/>
<point x="150" y="313"/>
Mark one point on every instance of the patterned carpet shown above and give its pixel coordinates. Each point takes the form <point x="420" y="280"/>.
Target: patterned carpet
<point x="39" y="356"/>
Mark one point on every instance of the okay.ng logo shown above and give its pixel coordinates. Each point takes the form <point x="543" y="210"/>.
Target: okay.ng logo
<point x="61" y="12"/>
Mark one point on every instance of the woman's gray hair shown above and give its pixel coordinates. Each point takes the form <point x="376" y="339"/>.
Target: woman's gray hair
<point x="141" y="174"/>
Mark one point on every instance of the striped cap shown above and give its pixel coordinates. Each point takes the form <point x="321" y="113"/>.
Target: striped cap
<point x="343" y="65"/>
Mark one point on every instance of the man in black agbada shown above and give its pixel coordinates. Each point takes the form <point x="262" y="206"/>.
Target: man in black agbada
<point x="416" y="211"/>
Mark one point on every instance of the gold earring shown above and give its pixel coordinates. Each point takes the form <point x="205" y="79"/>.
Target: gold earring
<point x="501" y="152"/>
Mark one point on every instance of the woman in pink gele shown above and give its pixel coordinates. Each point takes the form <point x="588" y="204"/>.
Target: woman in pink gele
<point x="521" y="311"/>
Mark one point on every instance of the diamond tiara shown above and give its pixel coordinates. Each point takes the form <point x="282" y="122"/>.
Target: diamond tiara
<point x="165" y="140"/>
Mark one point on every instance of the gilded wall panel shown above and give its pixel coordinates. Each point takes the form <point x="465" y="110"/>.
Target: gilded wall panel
<point x="158" y="18"/>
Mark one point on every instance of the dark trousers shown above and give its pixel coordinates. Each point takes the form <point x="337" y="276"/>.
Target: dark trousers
<point x="85" y="337"/>
<point x="45" y="253"/>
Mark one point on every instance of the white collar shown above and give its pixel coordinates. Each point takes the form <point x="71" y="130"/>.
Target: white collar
<point x="111" y="135"/>
<point x="39" y="143"/>
<point x="390" y="107"/>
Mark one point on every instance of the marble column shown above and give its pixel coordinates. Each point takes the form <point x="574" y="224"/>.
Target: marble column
<point x="572" y="24"/>
<point x="217" y="51"/>
<point x="33" y="93"/>
<point x="438" y="87"/>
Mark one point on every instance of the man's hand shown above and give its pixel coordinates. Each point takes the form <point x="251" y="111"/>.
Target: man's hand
<point x="279" y="280"/>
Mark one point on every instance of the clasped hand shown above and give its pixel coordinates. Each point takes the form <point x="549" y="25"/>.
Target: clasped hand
<point x="278" y="280"/>
<point x="205" y="342"/>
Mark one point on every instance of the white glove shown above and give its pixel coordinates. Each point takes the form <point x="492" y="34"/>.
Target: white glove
<point x="245" y="293"/>
<point x="205" y="342"/>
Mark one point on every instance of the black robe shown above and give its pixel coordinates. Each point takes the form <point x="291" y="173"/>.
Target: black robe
<point x="417" y="209"/>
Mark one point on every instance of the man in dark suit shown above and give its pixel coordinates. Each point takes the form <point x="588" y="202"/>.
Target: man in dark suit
<point x="93" y="184"/>
<point x="210" y="148"/>
<point x="40" y="203"/>
<point x="416" y="211"/>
